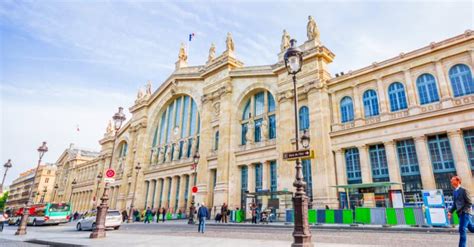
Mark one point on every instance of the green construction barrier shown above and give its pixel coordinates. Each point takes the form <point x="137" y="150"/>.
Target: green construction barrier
<point x="239" y="216"/>
<point x="409" y="216"/>
<point x="169" y="216"/>
<point x="312" y="216"/>
<point x="347" y="216"/>
<point x="455" y="218"/>
<point x="330" y="216"/>
<point x="391" y="216"/>
<point x="363" y="215"/>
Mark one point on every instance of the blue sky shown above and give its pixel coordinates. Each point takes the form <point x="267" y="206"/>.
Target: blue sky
<point x="69" y="63"/>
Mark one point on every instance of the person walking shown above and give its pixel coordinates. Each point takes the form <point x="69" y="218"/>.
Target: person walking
<point x="203" y="214"/>
<point x="163" y="213"/>
<point x="148" y="215"/>
<point x="253" y="208"/>
<point x="224" y="213"/>
<point x="462" y="204"/>
<point x="124" y="215"/>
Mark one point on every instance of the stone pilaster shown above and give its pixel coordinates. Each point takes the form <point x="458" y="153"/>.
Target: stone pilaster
<point x="463" y="167"/>
<point x="382" y="97"/>
<point x="335" y="109"/>
<point x="285" y="133"/>
<point x="393" y="167"/>
<point x="410" y="88"/>
<point x="426" y="169"/>
<point x="340" y="168"/>
<point x="443" y="84"/>
<point x="365" y="166"/>
<point x="266" y="175"/>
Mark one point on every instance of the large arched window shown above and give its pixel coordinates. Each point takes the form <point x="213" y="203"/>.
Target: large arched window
<point x="304" y="118"/>
<point x="396" y="94"/>
<point x="258" y="116"/>
<point x="347" y="110"/>
<point x="371" y="103"/>
<point x="177" y="134"/>
<point x="461" y="80"/>
<point x="123" y="149"/>
<point x="427" y="89"/>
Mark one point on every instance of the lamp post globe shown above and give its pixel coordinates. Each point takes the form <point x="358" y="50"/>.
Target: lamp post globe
<point x="301" y="233"/>
<point x="305" y="140"/>
<point x="99" y="231"/>
<point x="26" y="210"/>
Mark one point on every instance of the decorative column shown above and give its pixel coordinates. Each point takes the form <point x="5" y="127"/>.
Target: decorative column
<point x="426" y="169"/>
<point x="365" y="164"/>
<point x="335" y="109"/>
<point x="382" y="98"/>
<point x="182" y="189"/>
<point x="393" y="167"/>
<point x="357" y="105"/>
<point x="174" y="185"/>
<point x="266" y="175"/>
<point x="410" y="87"/>
<point x="463" y="167"/>
<point x="251" y="178"/>
<point x="164" y="202"/>
<point x="443" y="84"/>
<point x="340" y="168"/>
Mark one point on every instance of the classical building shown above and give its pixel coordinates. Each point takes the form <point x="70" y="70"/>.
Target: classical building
<point x="407" y="120"/>
<point x="43" y="185"/>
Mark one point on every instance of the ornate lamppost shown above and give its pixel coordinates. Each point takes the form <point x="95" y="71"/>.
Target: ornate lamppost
<point x="7" y="166"/>
<point x="194" y="167"/>
<point x="26" y="210"/>
<point x="301" y="233"/>
<point x="56" y="186"/>
<point x="99" y="179"/>
<point x="74" y="182"/>
<point x="99" y="231"/>
<point x="130" y="216"/>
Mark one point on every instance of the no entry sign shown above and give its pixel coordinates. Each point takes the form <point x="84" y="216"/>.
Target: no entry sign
<point x="110" y="173"/>
<point x="194" y="189"/>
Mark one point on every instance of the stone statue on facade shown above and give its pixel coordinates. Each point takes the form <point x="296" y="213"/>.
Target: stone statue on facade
<point x="264" y="128"/>
<point x="140" y="94"/>
<point x="185" y="148"/>
<point x="176" y="151"/>
<point x="212" y="53"/>
<point x="182" y="56"/>
<point x="312" y="29"/>
<point x="168" y="154"/>
<point x="285" y="41"/>
<point x="249" y="134"/>
<point x="148" y="88"/>
<point x="229" y="43"/>
<point x="161" y="155"/>
<point x="154" y="156"/>
<point x="194" y="147"/>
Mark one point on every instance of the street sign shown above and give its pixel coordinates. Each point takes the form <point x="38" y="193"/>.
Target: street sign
<point x="194" y="189"/>
<point x="109" y="180"/>
<point x="300" y="154"/>
<point x="110" y="173"/>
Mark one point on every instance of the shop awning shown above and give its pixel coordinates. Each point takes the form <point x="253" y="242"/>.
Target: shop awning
<point x="368" y="185"/>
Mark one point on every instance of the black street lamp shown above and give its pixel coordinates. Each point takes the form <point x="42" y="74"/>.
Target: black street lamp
<point x="26" y="210"/>
<point x="130" y="216"/>
<point x="194" y="167"/>
<point x="301" y="232"/>
<point x="56" y="187"/>
<point x="99" y="231"/>
<point x="7" y="166"/>
<point x="99" y="179"/>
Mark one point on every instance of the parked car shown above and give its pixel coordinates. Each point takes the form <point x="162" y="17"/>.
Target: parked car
<point x="3" y="219"/>
<point x="112" y="220"/>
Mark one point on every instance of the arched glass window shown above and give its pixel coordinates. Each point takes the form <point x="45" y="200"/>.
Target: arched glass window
<point x="123" y="149"/>
<point x="347" y="110"/>
<point x="304" y="118"/>
<point x="179" y="121"/>
<point x="371" y="103"/>
<point x="427" y="89"/>
<point x="259" y="111"/>
<point x="461" y="80"/>
<point x="396" y="94"/>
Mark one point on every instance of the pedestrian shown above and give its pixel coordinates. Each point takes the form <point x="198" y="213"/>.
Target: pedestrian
<point x="224" y="213"/>
<point x="203" y="214"/>
<point x="148" y="216"/>
<point x="253" y="209"/>
<point x="163" y="213"/>
<point x="462" y="204"/>
<point x="124" y="215"/>
<point x="76" y="215"/>
<point x="136" y="215"/>
<point x="158" y="214"/>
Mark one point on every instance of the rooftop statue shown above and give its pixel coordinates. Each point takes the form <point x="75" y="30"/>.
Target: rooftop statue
<point x="285" y="41"/>
<point x="229" y="43"/>
<point x="312" y="29"/>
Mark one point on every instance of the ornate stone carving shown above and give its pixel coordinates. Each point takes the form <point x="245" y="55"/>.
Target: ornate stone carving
<point x="217" y="108"/>
<point x="312" y="29"/>
<point x="285" y="41"/>
<point x="176" y="151"/>
<point x="182" y="56"/>
<point x="185" y="148"/>
<point x="110" y="129"/>
<point x="168" y="153"/>
<point x="194" y="147"/>
<point x="264" y="128"/>
<point x="148" y="88"/>
<point x="212" y="53"/>
<point x="249" y="134"/>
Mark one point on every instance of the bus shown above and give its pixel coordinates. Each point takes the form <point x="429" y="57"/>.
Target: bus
<point x="44" y="214"/>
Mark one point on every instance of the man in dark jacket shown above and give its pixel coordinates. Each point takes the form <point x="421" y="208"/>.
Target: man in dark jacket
<point x="202" y="214"/>
<point x="148" y="216"/>
<point x="462" y="205"/>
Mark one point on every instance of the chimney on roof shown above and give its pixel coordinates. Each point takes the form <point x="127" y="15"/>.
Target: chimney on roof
<point x="337" y="74"/>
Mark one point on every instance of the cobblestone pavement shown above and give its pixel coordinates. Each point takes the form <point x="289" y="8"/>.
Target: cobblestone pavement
<point x="177" y="234"/>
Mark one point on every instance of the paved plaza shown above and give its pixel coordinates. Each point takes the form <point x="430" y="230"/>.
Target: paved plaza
<point x="178" y="233"/>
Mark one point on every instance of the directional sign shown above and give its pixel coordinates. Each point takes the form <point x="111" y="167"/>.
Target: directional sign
<point x="110" y="173"/>
<point x="300" y="154"/>
<point x="109" y="180"/>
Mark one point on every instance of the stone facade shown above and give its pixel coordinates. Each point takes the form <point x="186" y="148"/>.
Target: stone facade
<point x="241" y="119"/>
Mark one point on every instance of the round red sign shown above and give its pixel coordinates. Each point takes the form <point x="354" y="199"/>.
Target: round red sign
<point x="194" y="189"/>
<point x="110" y="173"/>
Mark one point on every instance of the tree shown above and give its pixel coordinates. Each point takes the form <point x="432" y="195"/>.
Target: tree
<point x="3" y="200"/>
